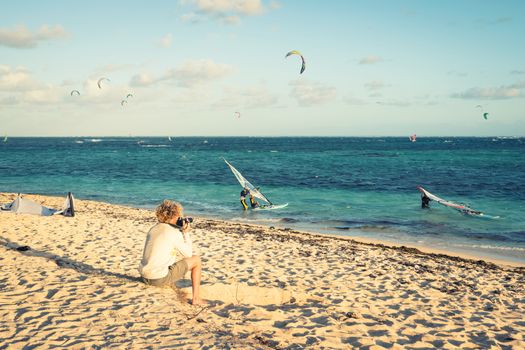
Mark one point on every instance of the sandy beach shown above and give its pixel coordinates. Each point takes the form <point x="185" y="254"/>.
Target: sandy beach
<point x="73" y="282"/>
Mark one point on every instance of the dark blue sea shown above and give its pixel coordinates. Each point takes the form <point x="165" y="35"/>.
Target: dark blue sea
<point x="362" y="187"/>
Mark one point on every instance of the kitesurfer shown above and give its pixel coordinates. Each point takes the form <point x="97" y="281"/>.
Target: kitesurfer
<point x="425" y="201"/>
<point x="244" y="193"/>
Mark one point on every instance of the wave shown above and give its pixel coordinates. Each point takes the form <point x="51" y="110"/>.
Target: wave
<point x="261" y="221"/>
<point x="357" y="223"/>
<point x="488" y="246"/>
<point x="155" y="146"/>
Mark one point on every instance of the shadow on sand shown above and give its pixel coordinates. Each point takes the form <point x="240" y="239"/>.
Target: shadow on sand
<point x="66" y="262"/>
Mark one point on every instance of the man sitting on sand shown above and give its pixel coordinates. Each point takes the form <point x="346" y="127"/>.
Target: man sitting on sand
<point x="165" y="241"/>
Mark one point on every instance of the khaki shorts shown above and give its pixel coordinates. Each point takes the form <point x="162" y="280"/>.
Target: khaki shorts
<point x="176" y="272"/>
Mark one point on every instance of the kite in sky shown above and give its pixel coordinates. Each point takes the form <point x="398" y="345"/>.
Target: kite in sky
<point x="99" y="82"/>
<point x="485" y="114"/>
<point x="295" y="52"/>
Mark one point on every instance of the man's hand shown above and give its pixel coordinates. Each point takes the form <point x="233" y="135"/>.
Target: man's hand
<point x="185" y="226"/>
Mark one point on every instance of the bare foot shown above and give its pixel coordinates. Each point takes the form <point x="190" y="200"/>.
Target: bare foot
<point x="199" y="301"/>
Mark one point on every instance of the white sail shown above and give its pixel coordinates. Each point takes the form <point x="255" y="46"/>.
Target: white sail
<point x="442" y="201"/>
<point x="246" y="184"/>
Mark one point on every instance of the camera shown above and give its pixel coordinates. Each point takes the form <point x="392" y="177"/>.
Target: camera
<point x="181" y="221"/>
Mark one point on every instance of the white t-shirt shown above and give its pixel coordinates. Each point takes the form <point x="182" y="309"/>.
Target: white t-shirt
<point x="163" y="243"/>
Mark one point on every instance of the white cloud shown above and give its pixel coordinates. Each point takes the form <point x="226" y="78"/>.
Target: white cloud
<point x="47" y="95"/>
<point x="191" y="17"/>
<point x="18" y="86"/>
<point x="198" y="72"/>
<point x="21" y="37"/>
<point x="143" y="79"/>
<point x="493" y="93"/>
<point x="274" y="5"/>
<point x="226" y="11"/>
<point x="256" y="97"/>
<point x="189" y="74"/>
<point x="371" y="59"/>
<point x="311" y="93"/>
<point x="355" y="101"/>
<point x="166" y="41"/>
<point x="375" y="85"/>
<point x="17" y="79"/>
<point x="8" y="101"/>
<point x="517" y="72"/>
<point x="245" y="7"/>
<point x="231" y="20"/>
<point x="249" y="97"/>
<point x="394" y="103"/>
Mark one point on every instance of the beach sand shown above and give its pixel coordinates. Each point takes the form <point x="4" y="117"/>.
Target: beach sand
<point x="77" y="286"/>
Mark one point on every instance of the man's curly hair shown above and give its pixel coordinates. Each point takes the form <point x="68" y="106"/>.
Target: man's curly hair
<point x="168" y="210"/>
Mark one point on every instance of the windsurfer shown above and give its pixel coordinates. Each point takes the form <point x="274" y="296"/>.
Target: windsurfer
<point x="244" y="193"/>
<point x="425" y="201"/>
<point x="253" y="202"/>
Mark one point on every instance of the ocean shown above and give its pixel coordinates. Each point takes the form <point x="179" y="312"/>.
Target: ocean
<point x="349" y="186"/>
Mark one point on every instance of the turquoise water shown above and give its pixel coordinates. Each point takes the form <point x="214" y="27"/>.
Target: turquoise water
<point x="348" y="186"/>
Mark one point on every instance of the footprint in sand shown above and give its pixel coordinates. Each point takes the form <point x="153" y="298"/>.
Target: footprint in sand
<point x="242" y="293"/>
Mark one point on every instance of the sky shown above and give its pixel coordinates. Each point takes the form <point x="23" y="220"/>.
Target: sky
<point x="373" y="68"/>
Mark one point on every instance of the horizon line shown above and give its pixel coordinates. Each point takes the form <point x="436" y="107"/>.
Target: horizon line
<point x="244" y="136"/>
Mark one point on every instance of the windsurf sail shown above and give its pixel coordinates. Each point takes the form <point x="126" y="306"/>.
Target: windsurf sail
<point x="460" y="207"/>
<point x="246" y="184"/>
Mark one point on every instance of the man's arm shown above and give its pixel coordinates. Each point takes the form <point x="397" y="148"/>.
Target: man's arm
<point x="183" y="244"/>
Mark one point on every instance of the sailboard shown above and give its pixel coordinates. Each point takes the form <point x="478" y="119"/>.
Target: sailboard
<point x="270" y="207"/>
<point x="254" y="190"/>
<point x="459" y="207"/>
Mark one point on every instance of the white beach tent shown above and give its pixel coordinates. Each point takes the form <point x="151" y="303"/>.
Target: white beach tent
<point x="25" y="206"/>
